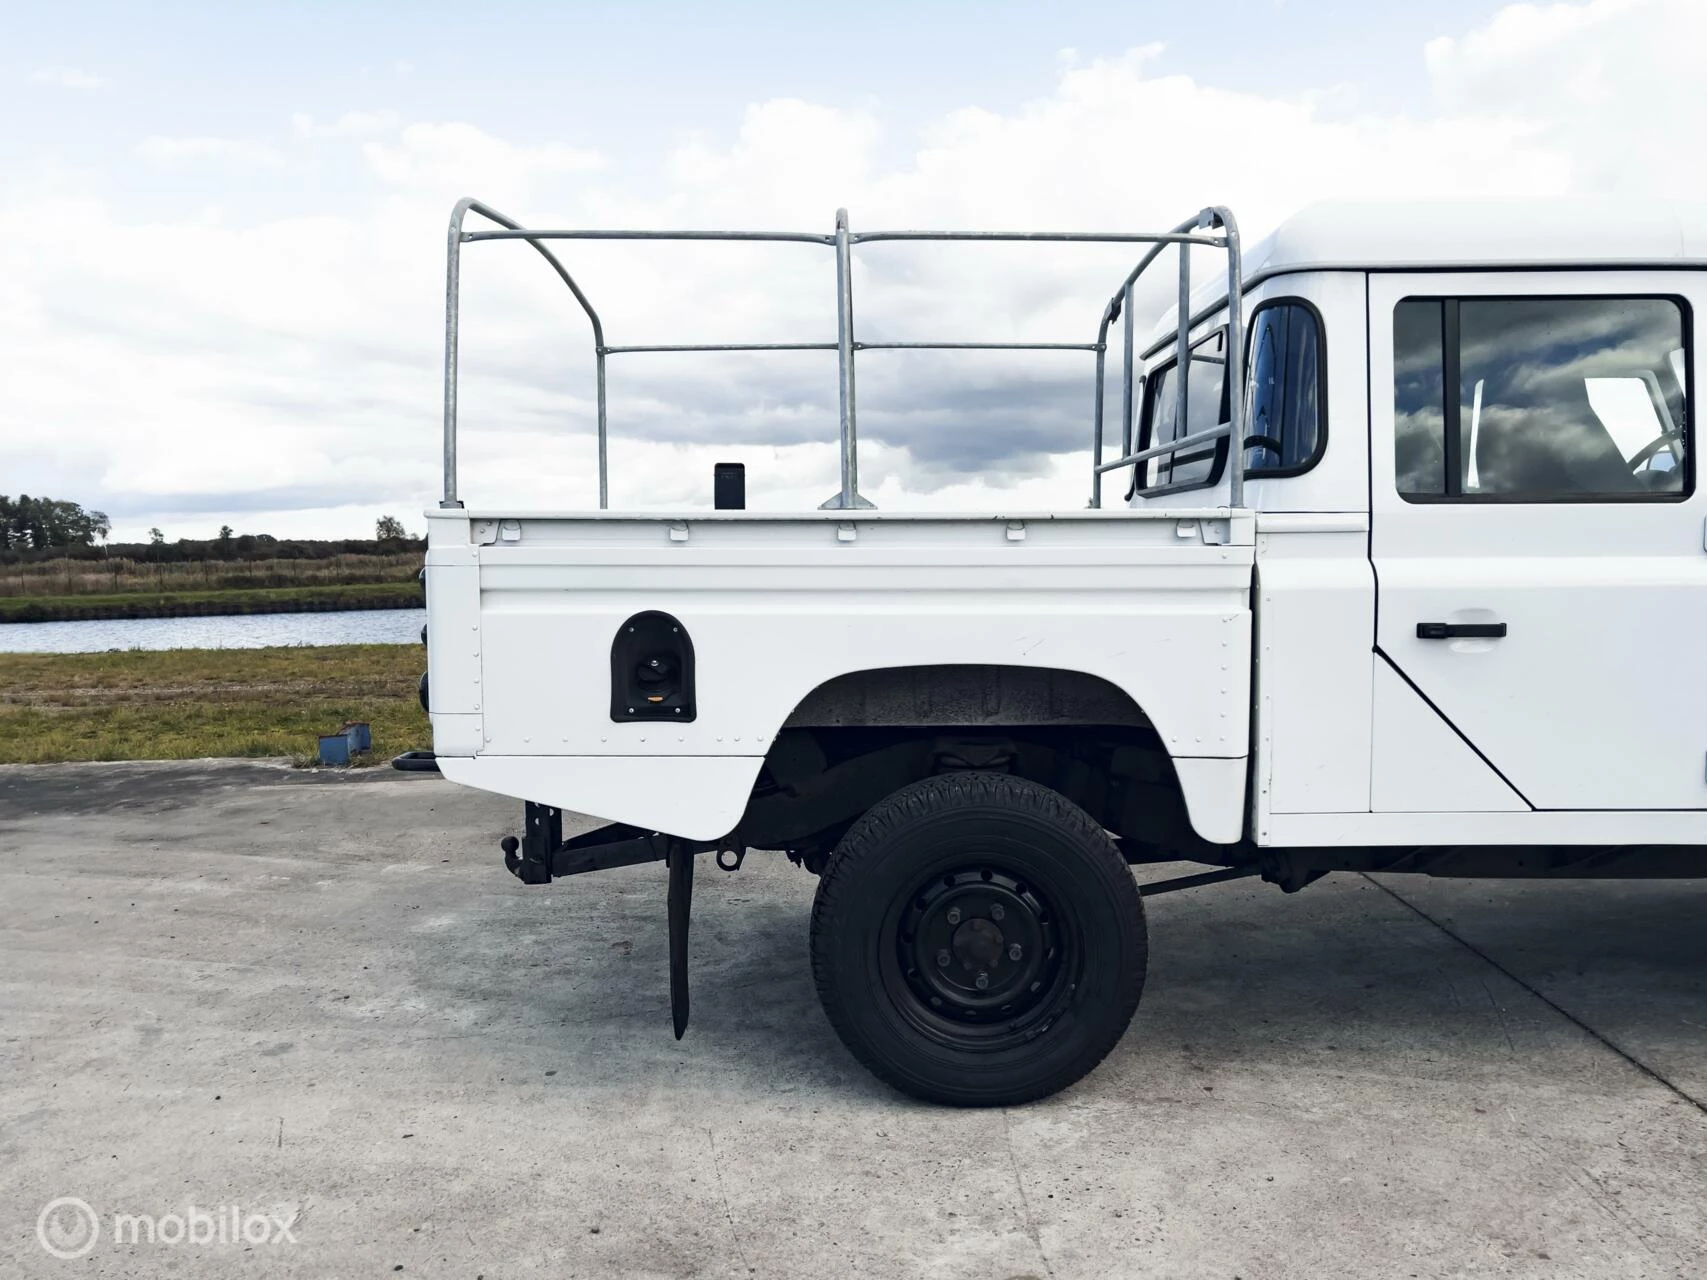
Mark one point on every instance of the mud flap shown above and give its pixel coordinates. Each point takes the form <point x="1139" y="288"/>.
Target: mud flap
<point x="681" y="905"/>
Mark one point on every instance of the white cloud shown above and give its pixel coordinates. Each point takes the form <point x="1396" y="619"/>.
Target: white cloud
<point x="164" y="150"/>
<point x="68" y="78"/>
<point x="352" y="124"/>
<point x="790" y="160"/>
<point x="455" y="156"/>
<point x="214" y="369"/>
<point x="1613" y="84"/>
<point x="1497" y="61"/>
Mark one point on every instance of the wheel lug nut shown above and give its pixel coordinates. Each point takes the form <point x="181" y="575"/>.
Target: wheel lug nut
<point x="1014" y="952"/>
<point x="983" y="981"/>
<point x="942" y="959"/>
<point x="954" y="915"/>
<point x="996" y="912"/>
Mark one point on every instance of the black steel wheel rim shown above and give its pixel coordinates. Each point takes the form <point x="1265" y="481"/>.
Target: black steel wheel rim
<point x="979" y="956"/>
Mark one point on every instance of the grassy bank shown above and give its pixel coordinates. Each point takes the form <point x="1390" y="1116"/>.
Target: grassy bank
<point x="195" y="604"/>
<point x="109" y="575"/>
<point x="186" y="703"/>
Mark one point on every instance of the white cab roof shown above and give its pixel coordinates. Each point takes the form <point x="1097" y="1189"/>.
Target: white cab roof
<point x="1483" y="233"/>
<point x="1470" y="234"/>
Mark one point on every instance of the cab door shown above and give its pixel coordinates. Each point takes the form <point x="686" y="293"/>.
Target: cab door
<point x="1537" y="536"/>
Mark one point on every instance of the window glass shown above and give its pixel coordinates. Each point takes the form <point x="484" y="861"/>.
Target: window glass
<point x="1283" y="389"/>
<point x="1539" y="399"/>
<point x="1205" y="408"/>
<point x="1419" y="418"/>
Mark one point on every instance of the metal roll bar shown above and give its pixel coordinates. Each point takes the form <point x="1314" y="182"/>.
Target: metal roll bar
<point x="1198" y="231"/>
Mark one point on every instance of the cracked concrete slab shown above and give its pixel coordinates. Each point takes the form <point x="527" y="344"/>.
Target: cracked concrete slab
<point x="236" y="984"/>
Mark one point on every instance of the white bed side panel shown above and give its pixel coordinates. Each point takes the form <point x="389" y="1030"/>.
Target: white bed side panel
<point x="1159" y="606"/>
<point x="696" y="797"/>
<point x="774" y="612"/>
<point x="1214" y="793"/>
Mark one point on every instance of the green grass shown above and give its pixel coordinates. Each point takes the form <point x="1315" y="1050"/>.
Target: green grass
<point x="110" y="575"/>
<point x="187" y="703"/>
<point x="168" y="604"/>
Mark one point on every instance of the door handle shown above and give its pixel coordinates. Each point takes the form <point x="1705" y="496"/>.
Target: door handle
<point x="1455" y="630"/>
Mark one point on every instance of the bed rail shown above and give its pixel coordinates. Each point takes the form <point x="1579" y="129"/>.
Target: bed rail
<point x="1212" y="228"/>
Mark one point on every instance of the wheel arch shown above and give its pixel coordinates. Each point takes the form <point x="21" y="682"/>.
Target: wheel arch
<point x="965" y="694"/>
<point x="860" y="735"/>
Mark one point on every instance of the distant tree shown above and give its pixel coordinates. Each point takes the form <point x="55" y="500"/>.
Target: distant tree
<point x="389" y="527"/>
<point x="26" y="525"/>
<point x="225" y="533"/>
<point x="36" y="524"/>
<point x="156" y="537"/>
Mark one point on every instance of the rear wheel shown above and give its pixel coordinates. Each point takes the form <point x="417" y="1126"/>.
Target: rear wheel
<point x="977" y="939"/>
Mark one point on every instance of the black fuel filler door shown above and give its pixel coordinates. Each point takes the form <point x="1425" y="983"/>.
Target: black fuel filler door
<point x="651" y="670"/>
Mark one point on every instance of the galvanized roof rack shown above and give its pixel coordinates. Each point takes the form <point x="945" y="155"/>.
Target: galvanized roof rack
<point x="1212" y="228"/>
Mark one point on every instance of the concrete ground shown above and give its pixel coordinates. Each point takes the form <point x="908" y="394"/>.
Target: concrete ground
<point x="233" y="985"/>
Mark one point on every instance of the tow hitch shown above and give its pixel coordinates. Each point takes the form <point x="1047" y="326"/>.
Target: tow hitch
<point x="543" y="855"/>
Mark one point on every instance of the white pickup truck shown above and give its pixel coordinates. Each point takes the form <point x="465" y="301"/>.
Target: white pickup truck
<point x="1396" y="574"/>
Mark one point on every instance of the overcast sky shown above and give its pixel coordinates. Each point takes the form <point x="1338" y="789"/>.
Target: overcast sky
<point x="222" y="227"/>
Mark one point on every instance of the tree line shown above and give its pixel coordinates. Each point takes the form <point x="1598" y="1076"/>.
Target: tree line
<point x="38" y="524"/>
<point x="46" y="528"/>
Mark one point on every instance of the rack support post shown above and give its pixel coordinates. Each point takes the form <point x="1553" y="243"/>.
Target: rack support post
<point x="848" y="497"/>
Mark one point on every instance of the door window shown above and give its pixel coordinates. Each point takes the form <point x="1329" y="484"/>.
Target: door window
<point x="1541" y="399"/>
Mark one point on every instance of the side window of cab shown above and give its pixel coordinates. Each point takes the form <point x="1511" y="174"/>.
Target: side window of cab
<point x="1286" y="424"/>
<point x="1197" y="467"/>
<point x="1286" y="428"/>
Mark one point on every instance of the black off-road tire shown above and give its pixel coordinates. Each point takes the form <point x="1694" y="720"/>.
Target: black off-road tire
<point x="978" y="940"/>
